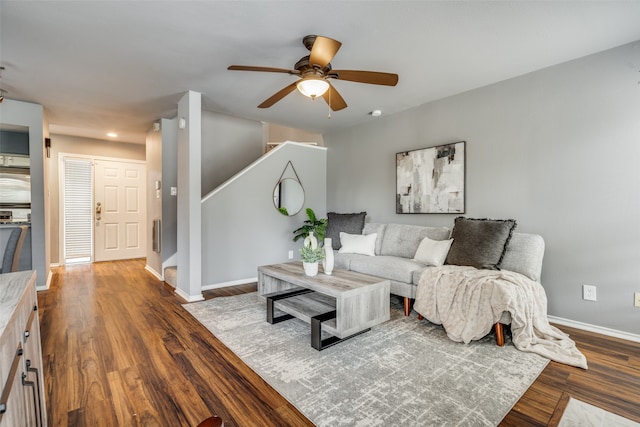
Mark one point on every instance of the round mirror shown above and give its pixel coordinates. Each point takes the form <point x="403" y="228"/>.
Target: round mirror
<point x="288" y="196"/>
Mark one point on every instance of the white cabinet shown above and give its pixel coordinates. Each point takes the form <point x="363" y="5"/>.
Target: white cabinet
<point x="22" y="399"/>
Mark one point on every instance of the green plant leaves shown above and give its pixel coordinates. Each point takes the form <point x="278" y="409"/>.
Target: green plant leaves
<point x="311" y="255"/>
<point x="318" y="226"/>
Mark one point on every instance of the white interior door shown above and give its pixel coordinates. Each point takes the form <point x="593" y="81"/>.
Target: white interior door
<point x="119" y="210"/>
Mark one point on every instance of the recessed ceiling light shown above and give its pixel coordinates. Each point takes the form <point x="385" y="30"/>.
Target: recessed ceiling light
<point x="376" y="113"/>
<point x="112" y="135"/>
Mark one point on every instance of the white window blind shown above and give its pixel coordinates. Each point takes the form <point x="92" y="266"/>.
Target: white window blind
<point x="78" y="210"/>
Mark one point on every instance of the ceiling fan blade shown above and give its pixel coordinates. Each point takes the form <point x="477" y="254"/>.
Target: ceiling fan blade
<point x="371" y="77"/>
<point x="333" y="98"/>
<point x="323" y="51"/>
<point x="278" y="95"/>
<point x="266" y="69"/>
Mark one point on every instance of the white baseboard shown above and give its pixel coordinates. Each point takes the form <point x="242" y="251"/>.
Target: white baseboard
<point x="231" y="283"/>
<point x="54" y="265"/>
<point x="155" y="273"/>
<point x="187" y="297"/>
<point x="594" y="328"/>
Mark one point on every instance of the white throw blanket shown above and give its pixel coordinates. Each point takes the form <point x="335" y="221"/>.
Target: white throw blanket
<point x="468" y="302"/>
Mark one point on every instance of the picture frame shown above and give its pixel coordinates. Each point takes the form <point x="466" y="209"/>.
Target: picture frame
<point x="431" y="180"/>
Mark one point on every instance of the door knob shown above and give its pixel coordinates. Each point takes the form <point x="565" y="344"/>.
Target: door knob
<point x="98" y="211"/>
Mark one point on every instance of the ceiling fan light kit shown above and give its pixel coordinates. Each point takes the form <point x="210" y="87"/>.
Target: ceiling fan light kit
<point x="314" y="71"/>
<point x="312" y="87"/>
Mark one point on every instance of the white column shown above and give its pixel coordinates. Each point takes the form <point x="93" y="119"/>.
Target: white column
<point x="189" y="241"/>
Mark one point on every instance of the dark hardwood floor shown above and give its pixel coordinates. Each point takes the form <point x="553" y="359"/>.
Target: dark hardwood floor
<point x="119" y="349"/>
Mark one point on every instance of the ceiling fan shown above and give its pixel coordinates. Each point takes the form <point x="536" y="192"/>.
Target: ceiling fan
<point x="315" y="71"/>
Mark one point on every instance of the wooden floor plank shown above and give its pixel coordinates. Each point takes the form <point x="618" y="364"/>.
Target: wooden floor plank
<point x="131" y="403"/>
<point x="119" y="349"/>
<point x="559" y="411"/>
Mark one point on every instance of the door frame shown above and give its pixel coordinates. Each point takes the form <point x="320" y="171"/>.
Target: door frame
<point x="61" y="156"/>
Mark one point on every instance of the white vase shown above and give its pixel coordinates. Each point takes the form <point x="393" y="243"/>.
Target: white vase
<point x="311" y="241"/>
<point x="310" y="268"/>
<point x="327" y="262"/>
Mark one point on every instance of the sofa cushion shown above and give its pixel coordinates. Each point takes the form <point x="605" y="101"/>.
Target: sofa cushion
<point x="374" y="227"/>
<point x="416" y="275"/>
<point x="343" y="261"/>
<point x="387" y="267"/>
<point x="351" y="223"/>
<point x="479" y="243"/>
<point x="432" y="252"/>
<point x="524" y="255"/>
<point x="402" y="240"/>
<point x="364" y="244"/>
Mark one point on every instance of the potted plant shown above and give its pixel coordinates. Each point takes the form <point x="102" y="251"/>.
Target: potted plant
<point x="313" y="224"/>
<point x="310" y="258"/>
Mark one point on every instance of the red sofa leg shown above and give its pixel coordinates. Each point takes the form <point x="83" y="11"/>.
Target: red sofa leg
<point x="420" y="317"/>
<point x="499" y="334"/>
<point x="407" y="306"/>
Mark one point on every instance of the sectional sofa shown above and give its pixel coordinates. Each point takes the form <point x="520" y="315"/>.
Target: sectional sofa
<point x="396" y="245"/>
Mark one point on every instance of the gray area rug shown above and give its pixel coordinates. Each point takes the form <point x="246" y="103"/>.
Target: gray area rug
<point x="404" y="372"/>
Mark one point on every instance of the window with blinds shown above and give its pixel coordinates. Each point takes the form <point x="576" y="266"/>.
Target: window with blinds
<point x="78" y="210"/>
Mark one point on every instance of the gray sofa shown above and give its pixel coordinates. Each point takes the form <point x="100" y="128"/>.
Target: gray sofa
<point x="396" y="245"/>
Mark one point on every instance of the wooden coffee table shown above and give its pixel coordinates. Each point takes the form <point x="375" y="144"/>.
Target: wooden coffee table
<point x="343" y="304"/>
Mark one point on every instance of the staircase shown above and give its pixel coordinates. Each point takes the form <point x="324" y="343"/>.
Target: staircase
<point x="171" y="276"/>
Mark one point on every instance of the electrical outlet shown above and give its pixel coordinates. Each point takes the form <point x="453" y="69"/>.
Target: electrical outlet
<point x="636" y="299"/>
<point x="589" y="292"/>
<point x="290" y="254"/>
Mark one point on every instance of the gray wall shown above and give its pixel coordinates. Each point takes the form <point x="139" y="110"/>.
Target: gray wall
<point x="154" y="197"/>
<point x="558" y="150"/>
<point x="228" y="145"/>
<point x="83" y="147"/>
<point x="241" y="228"/>
<point x="170" y="179"/>
<point x="162" y="165"/>
<point x="277" y="133"/>
<point x="31" y="116"/>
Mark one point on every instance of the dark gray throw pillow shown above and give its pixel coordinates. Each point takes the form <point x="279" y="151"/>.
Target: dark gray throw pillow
<point x="351" y="223"/>
<point x="480" y="243"/>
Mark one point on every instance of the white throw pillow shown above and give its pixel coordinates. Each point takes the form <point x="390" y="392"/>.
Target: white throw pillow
<point x="364" y="244"/>
<point x="432" y="252"/>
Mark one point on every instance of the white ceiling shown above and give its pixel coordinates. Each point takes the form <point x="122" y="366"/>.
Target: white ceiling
<point x="100" y="66"/>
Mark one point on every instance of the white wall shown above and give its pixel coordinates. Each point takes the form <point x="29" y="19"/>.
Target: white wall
<point x="558" y="150"/>
<point x="189" y="240"/>
<point x="241" y="228"/>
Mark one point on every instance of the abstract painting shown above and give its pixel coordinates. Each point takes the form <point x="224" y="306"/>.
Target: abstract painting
<point x="431" y="180"/>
